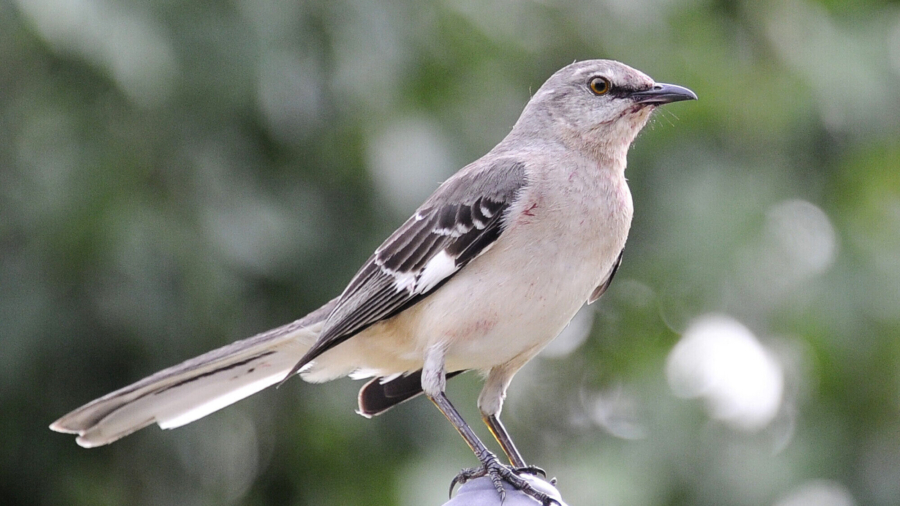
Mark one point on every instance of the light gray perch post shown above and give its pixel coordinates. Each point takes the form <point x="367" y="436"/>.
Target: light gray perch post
<point x="481" y="492"/>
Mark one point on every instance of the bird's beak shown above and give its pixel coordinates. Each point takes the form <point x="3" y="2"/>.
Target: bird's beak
<point x="662" y="93"/>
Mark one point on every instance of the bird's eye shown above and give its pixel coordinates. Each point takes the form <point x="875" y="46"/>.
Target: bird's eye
<point x="599" y="85"/>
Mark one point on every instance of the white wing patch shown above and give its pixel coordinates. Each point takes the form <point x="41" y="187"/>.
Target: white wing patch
<point x="402" y="280"/>
<point x="436" y="270"/>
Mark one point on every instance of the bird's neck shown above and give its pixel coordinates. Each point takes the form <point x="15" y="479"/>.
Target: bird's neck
<point x="608" y="144"/>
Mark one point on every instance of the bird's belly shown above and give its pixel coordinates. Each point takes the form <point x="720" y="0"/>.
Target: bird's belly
<point x="502" y="307"/>
<point x="488" y="314"/>
<point x="511" y="312"/>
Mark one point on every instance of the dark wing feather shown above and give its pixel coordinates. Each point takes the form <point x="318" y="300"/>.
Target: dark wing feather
<point x="460" y="221"/>
<point x="378" y="395"/>
<point x="600" y="290"/>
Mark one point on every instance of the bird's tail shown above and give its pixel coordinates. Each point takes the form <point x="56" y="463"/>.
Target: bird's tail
<point x="193" y="389"/>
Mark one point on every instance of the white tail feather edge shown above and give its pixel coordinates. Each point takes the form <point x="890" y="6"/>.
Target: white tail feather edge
<point x="193" y="389"/>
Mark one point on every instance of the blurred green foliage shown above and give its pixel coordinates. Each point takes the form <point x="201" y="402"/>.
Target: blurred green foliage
<point x="178" y="175"/>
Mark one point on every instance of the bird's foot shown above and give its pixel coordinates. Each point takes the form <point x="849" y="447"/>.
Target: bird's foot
<point x="500" y="473"/>
<point x="535" y="471"/>
<point x="532" y="470"/>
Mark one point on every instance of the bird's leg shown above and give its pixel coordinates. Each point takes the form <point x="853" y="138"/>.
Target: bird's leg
<point x="502" y="437"/>
<point x="509" y="448"/>
<point x="490" y="403"/>
<point x="489" y="464"/>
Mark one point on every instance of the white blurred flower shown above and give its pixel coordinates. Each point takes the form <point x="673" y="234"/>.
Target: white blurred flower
<point x="721" y="361"/>
<point x="818" y="493"/>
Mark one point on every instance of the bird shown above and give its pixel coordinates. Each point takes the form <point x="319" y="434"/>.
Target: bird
<point x="485" y="273"/>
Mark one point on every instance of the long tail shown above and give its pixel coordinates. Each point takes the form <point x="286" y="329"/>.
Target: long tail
<point x="193" y="389"/>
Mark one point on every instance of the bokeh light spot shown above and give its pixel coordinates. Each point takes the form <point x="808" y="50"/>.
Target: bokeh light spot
<point x="720" y="360"/>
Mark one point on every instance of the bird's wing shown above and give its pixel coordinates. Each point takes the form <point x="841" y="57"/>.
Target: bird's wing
<point x="460" y="221"/>
<point x="601" y="288"/>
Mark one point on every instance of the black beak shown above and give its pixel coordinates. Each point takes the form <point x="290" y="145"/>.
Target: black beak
<point x="662" y="93"/>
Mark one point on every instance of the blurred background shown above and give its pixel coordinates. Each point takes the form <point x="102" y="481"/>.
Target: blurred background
<point x="178" y="175"/>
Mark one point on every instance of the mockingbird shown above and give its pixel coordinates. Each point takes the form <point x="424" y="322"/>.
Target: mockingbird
<point x="485" y="273"/>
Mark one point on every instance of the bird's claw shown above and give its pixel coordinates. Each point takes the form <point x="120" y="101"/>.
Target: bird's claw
<point x="465" y="475"/>
<point x="532" y="470"/>
<point x="500" y="473"/>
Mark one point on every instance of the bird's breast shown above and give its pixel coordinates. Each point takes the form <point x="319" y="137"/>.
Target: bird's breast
<point x="561" y="242"/>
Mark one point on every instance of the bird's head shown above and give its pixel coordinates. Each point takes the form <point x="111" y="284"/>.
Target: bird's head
<point x="597" y="106"/>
